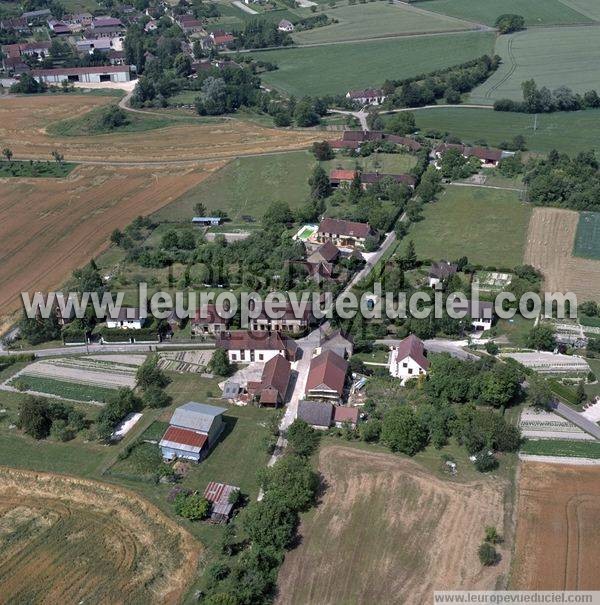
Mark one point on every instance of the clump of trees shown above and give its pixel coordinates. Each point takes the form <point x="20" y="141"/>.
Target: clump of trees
<point x="509" y="23"/>
<point x="219" y="363"/>
<point x="40" y="418"/>
<point x="565" y="182"/>
<point x="28" y="85"/>
<point x="124" y="402"/>
<point x="544" y="100"/>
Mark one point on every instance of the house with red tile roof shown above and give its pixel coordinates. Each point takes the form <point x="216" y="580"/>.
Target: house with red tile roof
<point x="327" y="377"/>
<point x="272" y="388"/>
<point x="343" y="415"/>
<point x="208" y="321"/>
<point x="407" y="359"/>
<point x="246" y="346"/>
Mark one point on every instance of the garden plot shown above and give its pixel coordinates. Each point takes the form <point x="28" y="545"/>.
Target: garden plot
<point x="84" y="370"/>
<point x="185" y="361"/>
<point x="492" y="281"/>
<point x="547" y="425"/>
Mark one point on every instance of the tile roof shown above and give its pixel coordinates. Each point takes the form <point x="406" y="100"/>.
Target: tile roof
<point x="326" y="252"/>
<point x="316" y="413"/>
<point x="342" y="227"/>
<point x="256" y="340"/>
<point x="414" y="348"/>
<point x="342" y="413"/>
<point x="443" y="269"/>
<point x="342" y="175"/>
<point x="366" y="93"/>
<point x="327" y="371"/>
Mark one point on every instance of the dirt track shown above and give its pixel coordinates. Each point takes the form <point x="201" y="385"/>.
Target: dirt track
<point x="23" y="121"/>
<point x="68" y="540"/>
<point x="403" y="534"/>
<point x="558" y="534"/>
<point x="549" y="248"/>
<point x="48" y="227"/>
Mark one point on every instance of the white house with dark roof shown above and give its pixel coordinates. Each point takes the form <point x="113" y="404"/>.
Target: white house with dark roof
<point x="407" y="359"/>
<point x="285" y="26"/>
<point x="127" y="318"/>
<point x="481" y="313"/>
<point x="438" y="272"/>
<point x="194" y="428"/>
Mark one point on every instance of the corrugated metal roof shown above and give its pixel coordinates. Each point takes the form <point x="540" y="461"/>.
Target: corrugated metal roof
<point x="196" y="416"/>
<point x="218" y="495"/>
<point x="183" y="439"/>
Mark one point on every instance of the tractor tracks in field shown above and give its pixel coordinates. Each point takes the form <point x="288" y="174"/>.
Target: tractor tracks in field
<point x="508" y="74"/>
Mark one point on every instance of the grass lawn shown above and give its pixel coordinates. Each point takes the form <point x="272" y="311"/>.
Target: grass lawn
<point x="387" y="163"/>
<point x="494" y="127"/>
<point x="548" y="12"/>
<point x="247" y="186"/>
<point x="568" y="56"/>
<point x="593" y="390"/>
<point x="516" y="329"/>
<point x="335" y="69"/>
<point x="587" y="238"/>
<point x="374" y="20"/>
<point x="136" y="122"/>
<point x="22" y="168"/>
<point x="61" y="388"/>
<point x="590" y="8"/>
<point x="550" y="447"/>
<point x="488" y="226"/>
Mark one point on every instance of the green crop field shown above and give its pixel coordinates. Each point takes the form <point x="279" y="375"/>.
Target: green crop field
<point x="374" y="20"/>
<point x="335" y="69"/>
<point x="62" y="388"/>
<point x="488" y="226"/>
<point x="386" y="163"/>
<point x="535" y="12"/>
<point x="589" y="8"/>
<point x="569" y="132"/>
<point x="561" y="56"/>
<point x="587" y="238"/>
<point x="551" y="447"/>
<point x="247" y="186"/>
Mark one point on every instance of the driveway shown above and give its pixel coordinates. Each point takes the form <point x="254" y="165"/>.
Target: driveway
<point x="245" y="8"/>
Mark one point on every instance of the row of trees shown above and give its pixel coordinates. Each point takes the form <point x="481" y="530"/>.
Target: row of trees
<point x="544" y="100"/>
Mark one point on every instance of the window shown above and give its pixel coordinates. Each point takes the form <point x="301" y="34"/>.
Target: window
<point x="405" y="364"/>
<point x="260" y="357"/>
<point x="410" y="371"/>
<point x="233" y="356"/>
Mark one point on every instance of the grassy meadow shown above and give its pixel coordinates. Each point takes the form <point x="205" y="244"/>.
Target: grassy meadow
<point x="488" y="226"/>
<point x="335" y="69"/>
<point x="386" y="163"/>
<point x="375" y="20"/>
<point x="247" y="186"/>
<point x="561" y="56"/>
<point x="569" y="132"/>
<point x="587" y="238"/>
<point x="547" y="12"/>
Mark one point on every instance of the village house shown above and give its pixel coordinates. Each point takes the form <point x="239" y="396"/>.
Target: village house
<point x="272" y="388"/>
<point x="219" y="495"/>
<point x="219" y="40"/>
<point x="320" y="262"/>
<point x="126" y="319"/>
<point x="193" y="430"/>
<point x="407" y="359"/>
<point x="489" y="157"/>
<point x="368" y="96"/>
<point x="245" y="346"/>
<point x="106" y="27"/>
<point x="100" y="73"/>
<point x="58" y="28"/>
<point x="189" y="24"/>
<point x="344" y="233"/>
<point x="318" y="414"/>
<point x="326" y="377"/>
<point x="39" y="50"/>
<point x="353" y="139"/>
<point x="343" y="415"/>
<point x="79" y="20"/>
<point x="340" y="176"/>
<point x="481" y="313"/>
<point x="338" y="343"/>
<point x="90" y="45"/>
<point x="438" y="272"/>
<point x="285" y="26"/>
<point x="285" y="318"/>
<point x="208" y="321"/>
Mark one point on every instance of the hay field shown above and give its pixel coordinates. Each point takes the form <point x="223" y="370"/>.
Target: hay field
<point x="48" y="227"/>
<point x="404" y="533"/>
<point x="23" y="121"/>
<point x="558" y="535"/>
<point x="68" y="540"/>
<point x="549" y="248"/>
<point x="553" y="57"/>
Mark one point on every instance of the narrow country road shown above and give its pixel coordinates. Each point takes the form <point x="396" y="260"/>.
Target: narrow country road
<point x="577" y="419"/>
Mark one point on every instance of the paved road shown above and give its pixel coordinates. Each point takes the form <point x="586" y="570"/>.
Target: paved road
<point x="577" y="419"/>
<point x="361" y="116"/>
<point x="245" y="8"/>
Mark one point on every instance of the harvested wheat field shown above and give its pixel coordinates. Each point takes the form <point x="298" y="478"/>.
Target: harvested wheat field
<point x="68" y="540"/>
<point x="558" y="535"/>
<point x="549" y="248"/>
<point x="404" y="533"/>
<point x="23" y="121"/>
<point x="48" y="227"/>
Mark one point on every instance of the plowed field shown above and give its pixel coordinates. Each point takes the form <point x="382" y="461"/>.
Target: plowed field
<point x="67" y="540"/>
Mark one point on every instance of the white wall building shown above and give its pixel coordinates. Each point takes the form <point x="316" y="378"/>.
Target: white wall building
<point x="407" y="360"/>
<point x="101" y="73"/>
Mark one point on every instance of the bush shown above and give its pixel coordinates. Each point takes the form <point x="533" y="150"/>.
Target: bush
<point x="219" y="363"/>
<point x="485" y="462"/>
<point x="302" y="438"/>
<point x="487" y="554"/>
<point x="192" y="506"/>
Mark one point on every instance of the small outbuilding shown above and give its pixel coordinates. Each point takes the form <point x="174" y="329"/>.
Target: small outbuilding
<point x="219" y="494"/>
